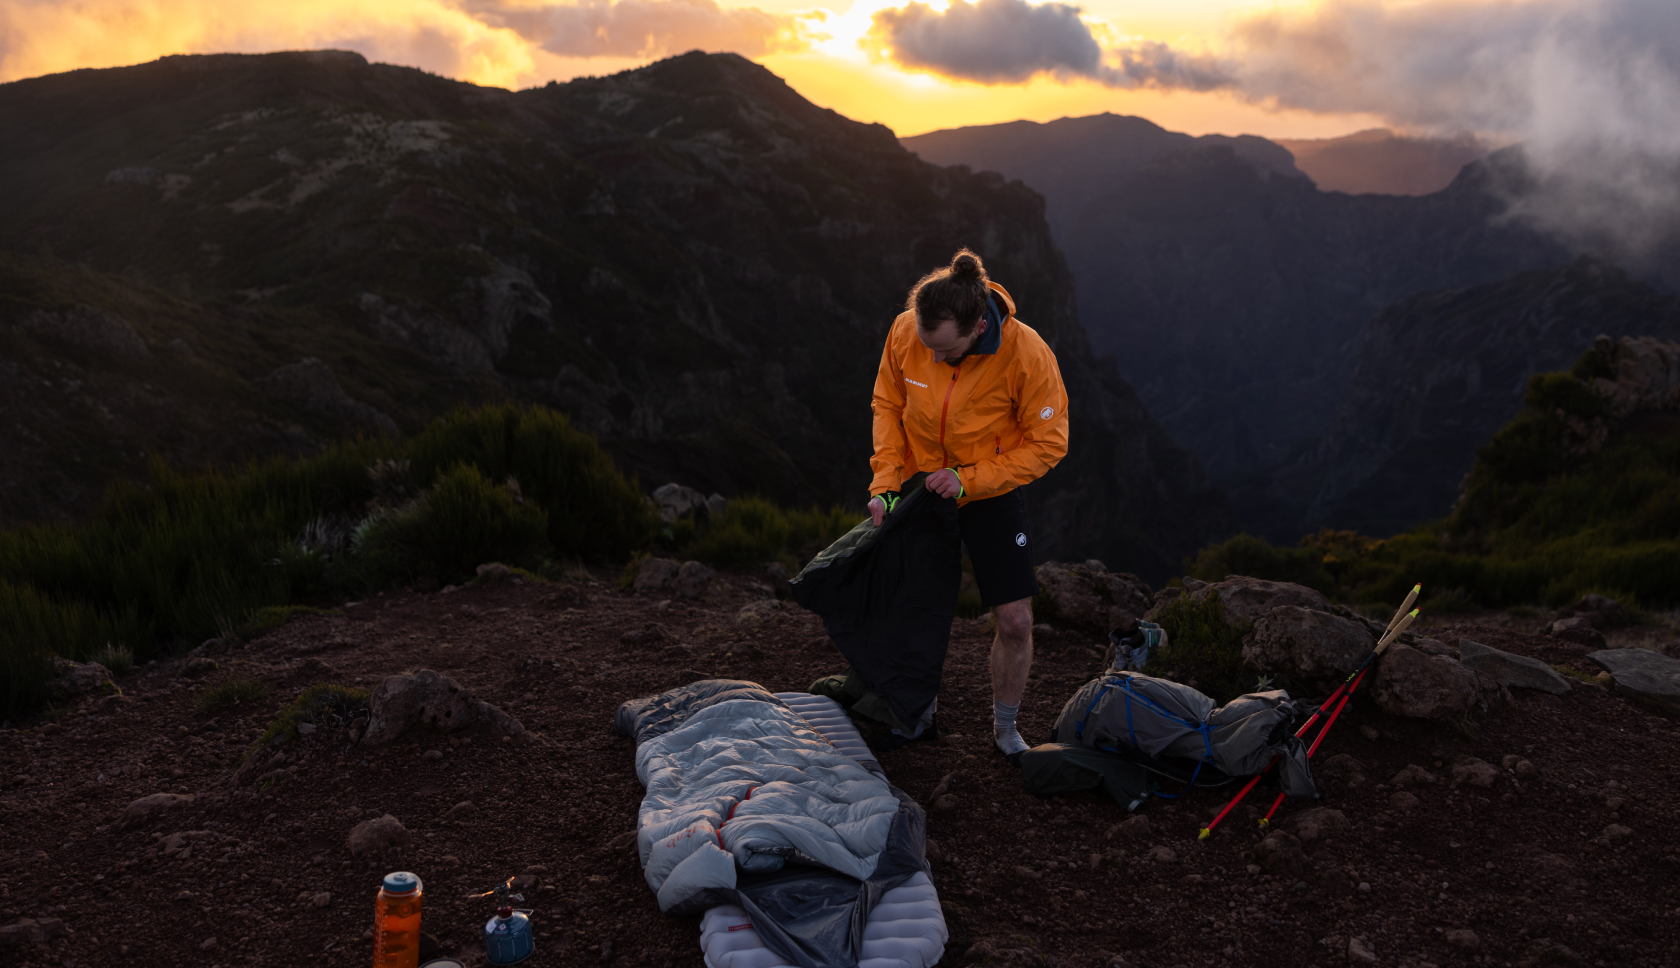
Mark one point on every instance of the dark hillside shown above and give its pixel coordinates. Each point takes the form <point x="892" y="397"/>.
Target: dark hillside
<point x="692" y="260"/>
<point x="1439" y="374"/>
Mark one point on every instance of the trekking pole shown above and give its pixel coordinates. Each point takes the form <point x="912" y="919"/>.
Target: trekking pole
<point x="1352" y="678"/>
<point x="1388" y="637"/>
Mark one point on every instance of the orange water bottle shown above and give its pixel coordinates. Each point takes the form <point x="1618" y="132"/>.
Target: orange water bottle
<point x="396" y="922"/>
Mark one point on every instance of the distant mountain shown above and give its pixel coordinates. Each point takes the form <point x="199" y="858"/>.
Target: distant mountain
<point x="226" y="256"/>
<point x="1378" y="161"/>
<point x="1233" y="297"/>
<point x="1437" y="375"/>
<point x="1072" y="161"/>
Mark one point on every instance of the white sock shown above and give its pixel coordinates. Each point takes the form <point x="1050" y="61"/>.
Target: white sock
<point x="1003" y="728"/>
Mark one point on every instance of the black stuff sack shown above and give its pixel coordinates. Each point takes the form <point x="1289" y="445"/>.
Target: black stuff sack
<point x="887" y="597"/>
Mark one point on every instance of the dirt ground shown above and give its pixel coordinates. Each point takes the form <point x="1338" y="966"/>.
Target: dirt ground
<point x="1529" y="871"/>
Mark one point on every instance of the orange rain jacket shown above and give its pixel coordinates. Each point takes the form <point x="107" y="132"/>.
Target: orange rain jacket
<point x="1000" y="419"/>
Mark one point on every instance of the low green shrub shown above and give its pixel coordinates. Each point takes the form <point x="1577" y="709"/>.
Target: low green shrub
<point x="230" y="694"/>
<point x="188" y="556"/>
<point x="323" y="705"/>
<point x="753" y="531"/>
<point x="461" y="522"/>
<point x="1203" y="650"/>
<point x="1248" y="555"/>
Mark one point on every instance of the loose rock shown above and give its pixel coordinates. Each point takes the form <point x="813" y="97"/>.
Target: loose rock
<point x="143" y="811"/>
<point x="1246" y="600"/>
<point x="655" y="575"/>
<point x="30" y="931"/>
<point x="425" y="697"/>
<point x="1360" y="952"/>
<point x="377" y="835"/>
<point x="198" y="667"/>
<point x="1432" y="687"/>
<point x="1475" y="772"/>
<point x="1413" y="775"/>
<point x="1280" y="853"/>
<point x="1463" y="938"/>
<point x="1133" y="829"/>
<point x="1577" y="630"/>
<point x="322" y="899"/>
<point x="753" y="613"/>
<point x="651" y="633"/>
<point x="78" y="678"/>
<point x="458" y="810"/>
<point x="1317" y="823"/>
<point x="1162" y="855"/>
<point x="1643" y="675"/>
<point x="1512" y="671"/>
<point x="692" y="580"/>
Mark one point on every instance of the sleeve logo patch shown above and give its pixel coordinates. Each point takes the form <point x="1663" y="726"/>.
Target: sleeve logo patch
<point x="1047" y="413"/>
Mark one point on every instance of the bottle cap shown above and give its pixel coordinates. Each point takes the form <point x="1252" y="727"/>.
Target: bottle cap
<point x="505" y="911"/>
<point x="401" y="882"/>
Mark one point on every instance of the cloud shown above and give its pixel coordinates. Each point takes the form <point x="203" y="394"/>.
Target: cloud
<point x="1012" y="41"/>
<point x="643" y="28"/>
<point x="485" y="41"/>
<point x="1590" y="87"/>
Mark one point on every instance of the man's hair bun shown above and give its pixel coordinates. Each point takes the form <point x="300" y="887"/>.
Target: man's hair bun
<point x="956" y="292"/>
<point x="966" y="265"/>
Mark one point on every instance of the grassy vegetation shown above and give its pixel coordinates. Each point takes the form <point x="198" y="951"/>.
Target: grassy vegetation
<point x="229" y="695"/>
<point x="188" y="557"/>
<point x="322" y="704"/>
<point x="1563" y="501"/>
<point x="235" y="554"/>
<point x="1203" y="649"/>
<point x="754" y="531"/>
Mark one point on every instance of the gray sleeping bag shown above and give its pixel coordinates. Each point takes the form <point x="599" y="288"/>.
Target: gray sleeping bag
<point x="1138" y="715"/>
<point x="748" y="804"/>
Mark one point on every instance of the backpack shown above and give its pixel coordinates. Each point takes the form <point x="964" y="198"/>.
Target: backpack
<point x="1174" y="730"/>
<point x="1130" y="648"/>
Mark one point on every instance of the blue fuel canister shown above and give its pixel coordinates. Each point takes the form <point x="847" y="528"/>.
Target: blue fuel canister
<point x="507" y="937"/>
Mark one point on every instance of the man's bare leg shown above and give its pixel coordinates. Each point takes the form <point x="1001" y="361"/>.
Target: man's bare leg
<point x="1011" y="661"/>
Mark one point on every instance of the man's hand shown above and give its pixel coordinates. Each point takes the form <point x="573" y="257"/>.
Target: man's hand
<point x="944" y="482"/>
<point x="877" y="510"/>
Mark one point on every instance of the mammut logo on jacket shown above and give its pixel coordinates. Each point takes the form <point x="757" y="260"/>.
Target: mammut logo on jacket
<point x="922" y="385"/>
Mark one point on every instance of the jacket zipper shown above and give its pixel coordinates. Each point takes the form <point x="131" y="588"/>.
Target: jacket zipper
<point x="956" y="371"/>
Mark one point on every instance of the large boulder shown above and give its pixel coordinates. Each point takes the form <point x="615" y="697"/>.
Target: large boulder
<point x="426" y="698"/>
<point x="1433" y="687"/>
<point x="674" y="501"/>
<point x="1511" y="671"/>
<point x="1309" y="649"/>
<point x="1641" y="674"/>
<point x="1090" y="597"/>
<point x="1247" y="599"/>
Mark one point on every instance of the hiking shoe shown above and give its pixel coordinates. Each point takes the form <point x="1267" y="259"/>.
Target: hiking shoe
<point x="892" y="739"/>
<point x="1011" y="745"/>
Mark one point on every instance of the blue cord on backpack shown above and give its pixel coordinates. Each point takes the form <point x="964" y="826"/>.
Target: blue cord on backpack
<point x="1203" y="729"/>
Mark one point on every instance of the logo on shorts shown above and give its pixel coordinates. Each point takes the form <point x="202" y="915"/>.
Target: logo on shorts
<point x="1047" y="413"/>
<point x="1021" y="539"/>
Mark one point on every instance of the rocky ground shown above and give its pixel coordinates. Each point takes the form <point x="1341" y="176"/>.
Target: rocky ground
<point x="1554" y="845"/>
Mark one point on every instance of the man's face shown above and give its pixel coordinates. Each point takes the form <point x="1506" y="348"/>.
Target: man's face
<point x="946" y="345"/>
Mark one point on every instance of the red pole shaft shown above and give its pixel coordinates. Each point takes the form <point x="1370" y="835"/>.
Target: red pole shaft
<point x="1321" y="734"/>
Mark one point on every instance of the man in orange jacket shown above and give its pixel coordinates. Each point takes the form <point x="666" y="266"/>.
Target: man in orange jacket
<point x="973" y="395"/>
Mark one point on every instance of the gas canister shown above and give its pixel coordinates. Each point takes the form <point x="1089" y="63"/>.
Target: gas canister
<point x="507" y="936"/>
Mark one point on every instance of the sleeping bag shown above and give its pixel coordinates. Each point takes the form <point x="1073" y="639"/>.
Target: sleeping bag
<point x="747" y="804"/>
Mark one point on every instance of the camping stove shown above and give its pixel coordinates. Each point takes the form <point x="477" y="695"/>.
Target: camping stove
<point x="507" y="936"/>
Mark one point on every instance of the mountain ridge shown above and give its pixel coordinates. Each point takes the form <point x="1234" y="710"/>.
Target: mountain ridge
<point x="695" y="262"/>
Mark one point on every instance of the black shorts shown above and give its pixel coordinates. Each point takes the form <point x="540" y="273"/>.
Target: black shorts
<point x="995" y="533"/>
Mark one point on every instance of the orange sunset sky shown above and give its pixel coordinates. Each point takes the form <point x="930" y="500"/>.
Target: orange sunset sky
<point x="838" y="53"/>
